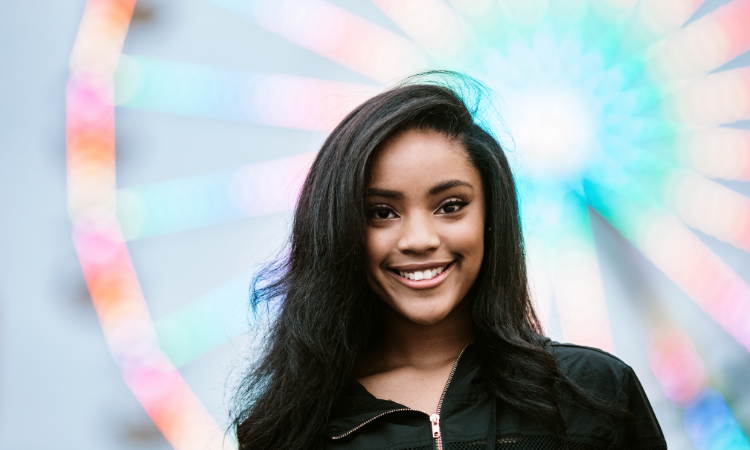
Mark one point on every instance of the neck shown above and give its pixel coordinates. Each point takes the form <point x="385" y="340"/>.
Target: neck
<point x="406" y="343"/>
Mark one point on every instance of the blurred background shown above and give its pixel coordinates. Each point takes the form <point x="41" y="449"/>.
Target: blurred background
<point x="151" y="153"/>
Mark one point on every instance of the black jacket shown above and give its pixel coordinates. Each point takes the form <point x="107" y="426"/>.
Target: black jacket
<point x="470" y="418"/>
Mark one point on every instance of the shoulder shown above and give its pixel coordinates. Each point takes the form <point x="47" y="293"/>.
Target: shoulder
<point x="597" y="372"/>
<point x="591" y="367"/>
<point x="580" y="353"/>
<point x="608" y="378"/>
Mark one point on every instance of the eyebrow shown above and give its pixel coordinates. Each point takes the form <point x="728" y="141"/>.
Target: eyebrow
<point x="377" y="192"/>
<point x="445" y="185"/>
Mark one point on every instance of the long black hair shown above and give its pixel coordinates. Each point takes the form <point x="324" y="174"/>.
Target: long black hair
<point x="328" y="315"/>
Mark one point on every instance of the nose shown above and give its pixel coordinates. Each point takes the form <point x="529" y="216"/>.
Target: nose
<point x="418" y="234"/>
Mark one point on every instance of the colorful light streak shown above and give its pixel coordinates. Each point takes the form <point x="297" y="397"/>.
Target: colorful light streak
<point x="680" y="255"/>
<point x="699" y="202"/>
<point x="708" y="420"/>
<point x="611" y="94"/>
<point x="677" y="366"/>
<point x="712" y="426"/>
<point x="336" y="34"/>
<point x="207" y="199"/>
<point x="435" y="26"/>
<point x="565" y="265"/>
<point x="704" y="45"/>
<point x="708" y="206"/>
<point x="268" y="99"/>
<point x="716" y="99"/>
<point x="715" y="153"/>
<point x="206" y="322"/>
<point x="651" y="20"/>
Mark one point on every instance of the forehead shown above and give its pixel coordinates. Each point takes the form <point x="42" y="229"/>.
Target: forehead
<point x="416" y="157"/>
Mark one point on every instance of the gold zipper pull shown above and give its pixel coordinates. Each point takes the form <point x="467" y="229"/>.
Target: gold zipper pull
<point x="435" y="420"/>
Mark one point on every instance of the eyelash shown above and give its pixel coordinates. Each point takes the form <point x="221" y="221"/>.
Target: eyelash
<point x="454" y="202"/>
<point x="451" y="202"/>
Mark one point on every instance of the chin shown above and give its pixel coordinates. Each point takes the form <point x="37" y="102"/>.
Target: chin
<point x="424" y="315"/>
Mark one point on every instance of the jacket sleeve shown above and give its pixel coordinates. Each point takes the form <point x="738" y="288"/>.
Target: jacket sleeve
<point x="647" y="434"/>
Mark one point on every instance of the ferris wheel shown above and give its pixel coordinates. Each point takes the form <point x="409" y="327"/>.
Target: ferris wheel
<point x="623" y="109"/>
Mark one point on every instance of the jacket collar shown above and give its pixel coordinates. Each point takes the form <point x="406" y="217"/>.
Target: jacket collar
<point x="357" y="405"/>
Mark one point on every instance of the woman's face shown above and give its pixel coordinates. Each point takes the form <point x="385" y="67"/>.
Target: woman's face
<point x="425" y="233"/>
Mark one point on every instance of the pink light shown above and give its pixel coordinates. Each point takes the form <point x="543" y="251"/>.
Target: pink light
<point x="676" y="365"/>
<point x="305" y="103"/>
<point x="271" y="186"/>
<point x="687" y="261"/>
<point x="342" y="37"/>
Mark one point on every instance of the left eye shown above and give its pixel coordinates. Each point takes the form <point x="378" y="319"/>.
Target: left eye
<point x="452" y="206"/>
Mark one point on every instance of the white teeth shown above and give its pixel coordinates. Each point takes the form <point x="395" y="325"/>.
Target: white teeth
<point x="422" y="275"/>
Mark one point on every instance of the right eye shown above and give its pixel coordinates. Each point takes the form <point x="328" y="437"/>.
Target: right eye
<point x="382" y="212"/>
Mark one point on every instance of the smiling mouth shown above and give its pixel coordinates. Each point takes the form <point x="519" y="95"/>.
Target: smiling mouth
<point x="422" y="274"/>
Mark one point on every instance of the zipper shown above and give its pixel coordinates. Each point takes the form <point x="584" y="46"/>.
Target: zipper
<point x="434" y="418"/>
<point x="374" y="418"/>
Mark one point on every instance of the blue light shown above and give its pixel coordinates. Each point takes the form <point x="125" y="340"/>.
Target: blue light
<point x="711" y="425"/>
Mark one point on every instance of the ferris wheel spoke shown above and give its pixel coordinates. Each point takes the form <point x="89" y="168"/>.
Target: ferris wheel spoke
<point x="716" y="99"/>
<point x="678" y="253"/>
<point x="436" y="27"/>
<point x="714" y="152"/>
<point x="201" y="200"/>
<point x="336" y="34"/>
<point x="700" y="203"/>
<point x="486" y="19"/>
<point x="703" y="45"/>
<point x="575" y="275"/>
<point x="540" y="282"/>
<point x="205" y="323"/>
<point x="650" y="21"/>
<point x="684" y="106"/>
<point x="217" y="93"/>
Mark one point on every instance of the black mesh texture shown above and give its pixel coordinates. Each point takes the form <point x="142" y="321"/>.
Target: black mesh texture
<point x="517" y="442"/>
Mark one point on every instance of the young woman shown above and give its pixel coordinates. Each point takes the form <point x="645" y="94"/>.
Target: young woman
<point x="405" y="320"/>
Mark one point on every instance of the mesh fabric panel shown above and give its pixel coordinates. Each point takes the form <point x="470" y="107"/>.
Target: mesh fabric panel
<point x="517" y="442"/>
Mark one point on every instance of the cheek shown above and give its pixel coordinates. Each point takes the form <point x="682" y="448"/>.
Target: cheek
<point x="467" y="238"/>
<point x="376" y="246"/>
